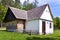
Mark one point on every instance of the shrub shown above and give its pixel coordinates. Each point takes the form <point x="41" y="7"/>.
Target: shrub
<point x="39" y="38"/>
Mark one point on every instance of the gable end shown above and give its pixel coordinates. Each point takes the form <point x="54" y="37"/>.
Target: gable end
<point x="9" y="16"/>
<point x="47" y="14"/>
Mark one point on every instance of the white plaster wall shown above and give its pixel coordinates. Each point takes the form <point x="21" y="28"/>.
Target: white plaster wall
<point x="46" y="14"/>
<point x="40" y="27"/>
<point x="48" y="29"/>
<point x="32" y="25"/>
<point x="37" y="24"/>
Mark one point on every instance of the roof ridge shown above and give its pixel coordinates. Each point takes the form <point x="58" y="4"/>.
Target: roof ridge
<point x="16" y="8"/>
<point x="39" y="6"/>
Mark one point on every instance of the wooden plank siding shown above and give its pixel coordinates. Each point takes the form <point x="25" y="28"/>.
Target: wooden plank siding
<point x="20" y="26"/>
<point x="17" y="25"/>
<point x="9" y="16"/>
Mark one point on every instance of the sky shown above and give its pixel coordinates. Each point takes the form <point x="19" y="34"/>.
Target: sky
<point x="54" y="5"/>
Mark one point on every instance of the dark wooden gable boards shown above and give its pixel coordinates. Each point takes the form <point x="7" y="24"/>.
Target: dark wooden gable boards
<point x="9" y="16"/>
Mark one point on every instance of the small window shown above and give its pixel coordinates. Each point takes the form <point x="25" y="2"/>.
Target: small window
<point x="47" y="22"/>
<point x="47" y="11"/>
<point x="50" y="25"/>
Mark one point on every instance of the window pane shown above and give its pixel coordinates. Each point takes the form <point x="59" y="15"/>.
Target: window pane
<point x="50" y="25"/>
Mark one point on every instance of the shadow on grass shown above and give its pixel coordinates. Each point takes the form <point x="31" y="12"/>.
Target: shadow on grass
<point x="38" y="38"/>
<point x="58" y="36"/>
<point x="3" y="30"/>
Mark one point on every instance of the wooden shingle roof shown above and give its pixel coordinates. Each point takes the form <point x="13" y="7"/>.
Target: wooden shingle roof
<point x="19" y="14"/>
<point x="36" y="12"/>
<point x="30" y="14"/>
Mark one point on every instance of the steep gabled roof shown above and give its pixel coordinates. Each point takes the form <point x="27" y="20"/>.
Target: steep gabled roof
<point x="19" y="14"/>
<point x="36" y="12"/>
<point x="30" y="14"/>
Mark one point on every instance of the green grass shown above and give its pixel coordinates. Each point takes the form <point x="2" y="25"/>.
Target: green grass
<point x="4" y="35"/>
<point x="55" y="35"/>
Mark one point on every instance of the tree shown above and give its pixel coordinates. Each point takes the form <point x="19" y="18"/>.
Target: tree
<point x="18" y="4"/>
<point x="8" y="2"/>
<point x="3" y="10"/>
<point x="57" y="22"/>
<point x="27" y="5"/>
<point x="35" y="3"/>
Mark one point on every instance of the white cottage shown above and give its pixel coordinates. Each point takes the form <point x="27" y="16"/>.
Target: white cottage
<point x="37" y="21"/>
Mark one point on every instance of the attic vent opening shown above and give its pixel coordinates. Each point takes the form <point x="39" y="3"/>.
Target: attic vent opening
<point x="47" y="11"/>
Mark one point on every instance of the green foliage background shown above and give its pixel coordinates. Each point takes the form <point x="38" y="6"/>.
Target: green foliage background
<point x="4" y="4"/>
<point x="25" y="6"/>
<point x="57" y="23"/>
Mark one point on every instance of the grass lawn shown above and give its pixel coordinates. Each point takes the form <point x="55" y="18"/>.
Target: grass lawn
<point x="4" y="35"/>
